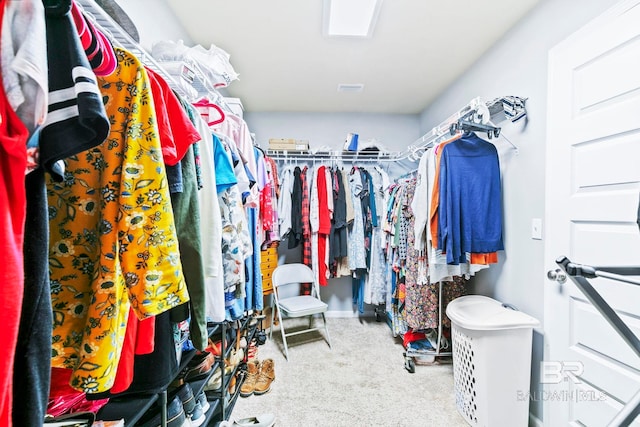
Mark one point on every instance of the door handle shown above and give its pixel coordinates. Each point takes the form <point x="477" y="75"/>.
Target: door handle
<point x="557" y="275"/>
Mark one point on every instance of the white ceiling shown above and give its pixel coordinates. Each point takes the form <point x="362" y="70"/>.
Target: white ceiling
<point x="419" y="47"/>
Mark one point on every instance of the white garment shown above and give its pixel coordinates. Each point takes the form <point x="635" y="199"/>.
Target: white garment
<point x="210" y="226"/>
<point x="329" y="181"/>
<point x="24" y="60"/>
<point x="284" y="202"/>
<point x="419" y="204"/>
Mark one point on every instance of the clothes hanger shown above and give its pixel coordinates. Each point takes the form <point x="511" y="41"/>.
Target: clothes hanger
<point x="204" y="102"/>
<point x="468" y="126"/>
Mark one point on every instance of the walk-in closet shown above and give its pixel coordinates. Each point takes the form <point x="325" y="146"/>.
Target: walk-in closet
<point x="328" y="212"/>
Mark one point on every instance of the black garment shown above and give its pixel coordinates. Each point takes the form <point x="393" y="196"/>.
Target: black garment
<point x="339" y="238"/>
<point x="67" y="130"/>
<point x="32" y="366"/>
<point x="365" y="200"/>
<point x="152" y="372"/>
<point x="295" y="236"/>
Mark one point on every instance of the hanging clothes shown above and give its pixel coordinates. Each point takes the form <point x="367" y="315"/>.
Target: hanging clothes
<point x="377" y="284"/>
<point x="284" y="202"/>
<point x="305" y="288"/>
<point x="470" y="218"/>
<point x="24" y="90"/>
<point x="135" y="219"/>
<point x="324" y="223"/>
<point x="339" y="222"/>
<point x="439" y="269"/>
<point x="295" y="236"/>
<point x="272" y="228"/>
<point x="356" y="250"/>
<point x="211" y="224"/>
<point x="236" y="130"/>
<point x="13" y="164"/>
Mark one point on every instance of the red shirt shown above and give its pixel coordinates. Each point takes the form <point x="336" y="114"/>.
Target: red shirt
<point x="177" y="133"/>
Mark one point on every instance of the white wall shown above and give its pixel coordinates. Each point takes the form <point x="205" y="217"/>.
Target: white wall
<point x="146" y="14"/>
<point x="517" y="65"/>
<point x="395" y="131"/>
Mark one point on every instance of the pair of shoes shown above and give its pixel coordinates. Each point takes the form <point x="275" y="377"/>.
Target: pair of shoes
<point x="175" y="416"/>
<point x="255" y="318"/>
<point x="185" y="393"/>
<point x="261" y="337"/>
<point x="200" y="412"/>
<point x="236" y="357"/>
<point x="264" y="420"/>
<point x="252" y="351"/>
<point x="260" y="375"/>
<point x="215" y="381"/>
<point x="199" y="366"/>
<point x="214" y="347"/>
<point x="232" y="385"/>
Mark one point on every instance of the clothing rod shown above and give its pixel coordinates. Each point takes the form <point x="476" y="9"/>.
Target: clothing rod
<point x="476" y="105"/>
<point x="443" y="127"/>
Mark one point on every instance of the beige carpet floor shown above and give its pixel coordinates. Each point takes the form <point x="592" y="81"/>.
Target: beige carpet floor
<point x="360" y="381"/>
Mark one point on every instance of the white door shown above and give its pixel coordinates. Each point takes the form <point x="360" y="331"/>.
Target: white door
<point x="592" y="187"/>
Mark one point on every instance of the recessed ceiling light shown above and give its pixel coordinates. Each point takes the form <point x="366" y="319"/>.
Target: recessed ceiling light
<point x="350" y="87"/>
<point x="350" y="18"/>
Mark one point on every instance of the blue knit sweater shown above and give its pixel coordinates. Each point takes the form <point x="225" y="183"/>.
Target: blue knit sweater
<point x="470" y="208"/>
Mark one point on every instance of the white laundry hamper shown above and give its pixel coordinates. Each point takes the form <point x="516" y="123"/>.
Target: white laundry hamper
<point x="491" y="361"/>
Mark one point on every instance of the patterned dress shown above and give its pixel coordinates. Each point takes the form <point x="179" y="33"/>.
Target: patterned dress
<point x="113" y="242"/>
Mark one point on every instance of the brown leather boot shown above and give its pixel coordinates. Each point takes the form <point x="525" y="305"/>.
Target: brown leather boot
<point x="253" y="369"/>
<point x="266" y="376"/>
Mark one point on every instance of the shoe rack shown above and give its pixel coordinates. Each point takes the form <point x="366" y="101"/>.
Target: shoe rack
<point x="133" y="407"/>
<point x="223" y="400"/>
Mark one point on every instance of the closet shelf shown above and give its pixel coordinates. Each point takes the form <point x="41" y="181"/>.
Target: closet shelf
<point x="121" y="38"/>
<point x="335" y="155"/>
<point x="476" y="110"/>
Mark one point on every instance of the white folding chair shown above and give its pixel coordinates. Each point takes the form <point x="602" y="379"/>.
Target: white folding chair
<point x="299" y="305"/>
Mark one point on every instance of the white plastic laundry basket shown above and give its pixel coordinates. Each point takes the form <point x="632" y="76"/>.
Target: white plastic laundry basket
<point x="491" y="361"/>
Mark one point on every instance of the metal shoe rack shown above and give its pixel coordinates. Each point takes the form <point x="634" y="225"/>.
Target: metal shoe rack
<point x="133" y="407"/>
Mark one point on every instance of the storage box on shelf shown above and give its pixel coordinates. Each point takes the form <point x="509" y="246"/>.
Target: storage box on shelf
<point x="288" y="144"/>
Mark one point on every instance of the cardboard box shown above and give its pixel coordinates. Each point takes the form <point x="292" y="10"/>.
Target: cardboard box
<point x="280" y="141"/>
<point x="288" y="145"/>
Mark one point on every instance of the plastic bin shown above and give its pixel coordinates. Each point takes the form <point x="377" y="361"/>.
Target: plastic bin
<point x="491" y="361"/>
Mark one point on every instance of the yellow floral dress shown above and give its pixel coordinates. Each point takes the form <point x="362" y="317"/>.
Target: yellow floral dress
<point x="113" y="242"/>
